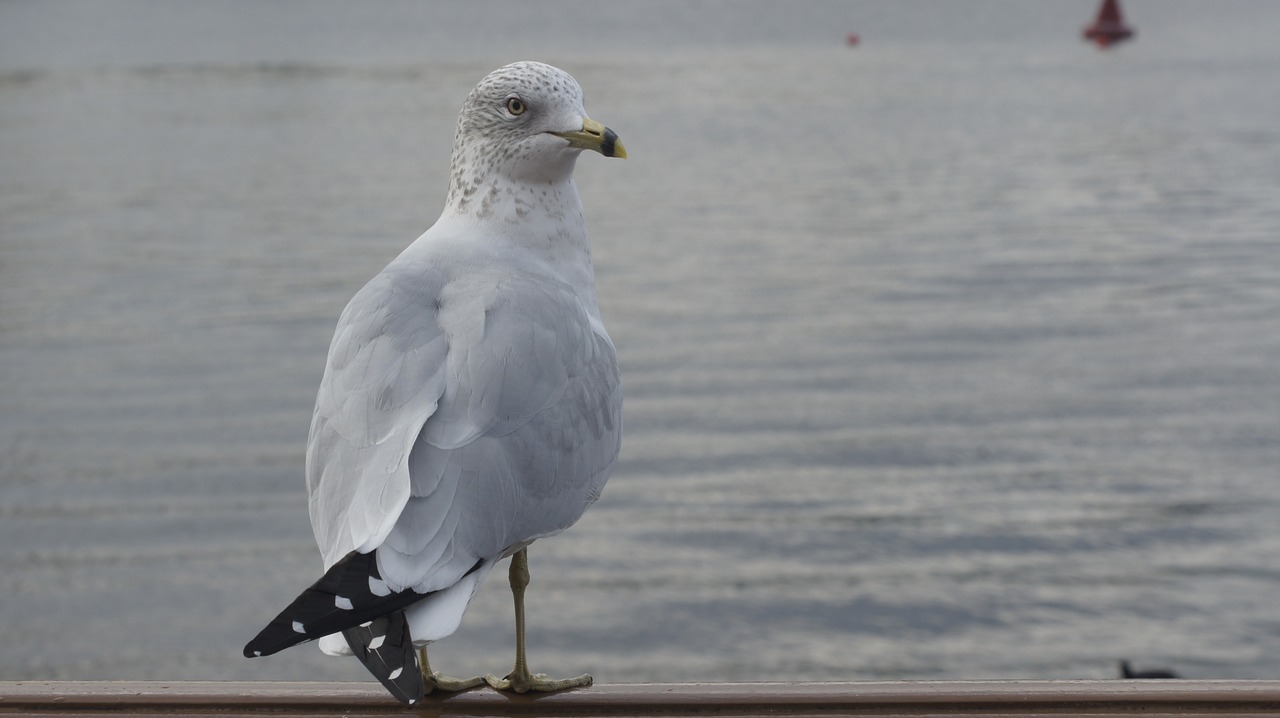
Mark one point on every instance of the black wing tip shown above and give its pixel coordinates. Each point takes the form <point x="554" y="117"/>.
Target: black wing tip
<point x="324" y="609"/>
<point x="271" y="641"/>
<point x="385" y="647"/>
<point x="258" y="647"/>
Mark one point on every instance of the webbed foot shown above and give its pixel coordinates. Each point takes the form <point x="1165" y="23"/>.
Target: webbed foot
<point x="523" y="682"/>
<point x="433" y="681"/>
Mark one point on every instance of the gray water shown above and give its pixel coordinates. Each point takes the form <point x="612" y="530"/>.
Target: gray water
<point x="952" y="355"/>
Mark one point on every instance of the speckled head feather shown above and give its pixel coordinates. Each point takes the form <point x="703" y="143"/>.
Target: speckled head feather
<point x="545" y="92"/>
<point x="504" y="129"/>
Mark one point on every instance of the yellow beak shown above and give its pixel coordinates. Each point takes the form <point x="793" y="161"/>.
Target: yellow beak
<point x="595" y="136"/>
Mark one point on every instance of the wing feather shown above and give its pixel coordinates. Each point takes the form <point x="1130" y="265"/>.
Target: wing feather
<point x="539" y="443"/>
<point x="384" y="377"/>
<point x="458" y="419"/>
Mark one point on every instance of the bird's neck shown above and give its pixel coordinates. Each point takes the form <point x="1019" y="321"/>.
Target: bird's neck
<point x="539" y="221"/>
<point x="533" y="204"/>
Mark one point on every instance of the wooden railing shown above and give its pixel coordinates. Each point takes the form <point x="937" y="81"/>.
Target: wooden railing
<point x="915" y="698"/>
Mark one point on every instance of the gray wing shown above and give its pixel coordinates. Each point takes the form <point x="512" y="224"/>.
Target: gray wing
<point x="525" y="436"/>
<point x="458" y="419"/>
<point x="384" y="377"/>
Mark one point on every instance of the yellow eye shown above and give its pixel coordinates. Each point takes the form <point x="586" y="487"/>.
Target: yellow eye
<point x="515" y="106"/>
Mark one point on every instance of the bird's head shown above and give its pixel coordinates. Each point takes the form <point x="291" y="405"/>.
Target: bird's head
<point x="526" y="120"/>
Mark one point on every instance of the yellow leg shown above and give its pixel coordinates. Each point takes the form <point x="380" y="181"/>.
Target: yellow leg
<point x="433" y="681"/>
<point x="520" y="680"/>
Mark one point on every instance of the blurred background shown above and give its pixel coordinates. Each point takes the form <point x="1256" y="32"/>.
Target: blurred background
<point x="951" y="354"/>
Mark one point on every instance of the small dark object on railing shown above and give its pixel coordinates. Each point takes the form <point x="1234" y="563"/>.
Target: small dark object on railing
<point x="1126" y="671"/>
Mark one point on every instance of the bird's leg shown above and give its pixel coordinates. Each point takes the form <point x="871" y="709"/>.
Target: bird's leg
<point x="520" y="680"/>
<point x="432" y="681"/>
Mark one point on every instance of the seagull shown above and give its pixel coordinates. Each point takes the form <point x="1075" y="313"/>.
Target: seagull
<point x="471" y="402"/>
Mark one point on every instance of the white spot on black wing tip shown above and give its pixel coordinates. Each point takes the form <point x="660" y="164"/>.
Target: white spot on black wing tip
<point x="257" y="654"/>
<point x="396" y="674"/>
<point x="378" y="587"/>
<point x="342" y="602"/>
<point x="297" y="627"/>
<point x="376" y="642"/>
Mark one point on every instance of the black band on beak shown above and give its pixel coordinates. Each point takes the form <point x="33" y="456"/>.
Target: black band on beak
<point x="610" y="140"/>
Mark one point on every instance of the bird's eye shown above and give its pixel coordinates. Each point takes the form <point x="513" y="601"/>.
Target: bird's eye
<point x="515" y="106"/>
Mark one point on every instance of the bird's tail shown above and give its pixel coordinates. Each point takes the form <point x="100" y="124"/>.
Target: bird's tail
<point x="350" y="593"/>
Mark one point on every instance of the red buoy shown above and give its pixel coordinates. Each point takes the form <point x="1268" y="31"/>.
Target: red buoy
<point x="1109" y="27"/>
<point x="852" y="39"/>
